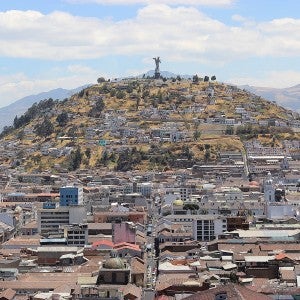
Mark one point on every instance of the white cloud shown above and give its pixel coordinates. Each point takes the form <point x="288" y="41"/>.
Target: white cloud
<point x="278" y="79"/>
<point x="245" y="21"/>
<point x="176" y="33"/>
<point x="238" y="18"/>
<point x="147" y="2"/>
<point x="80" y="69"/>
<point x="16" y="86"/>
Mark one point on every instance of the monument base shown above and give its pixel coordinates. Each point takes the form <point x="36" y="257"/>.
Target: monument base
<point x="156" y="75"/>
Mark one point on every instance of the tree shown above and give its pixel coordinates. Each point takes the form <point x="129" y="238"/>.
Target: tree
<point x="191" y="206"/>
<point x="233" y="277"/>
<point x="88" y="153"/>
<point x="105" y="158"/>
<point x="44" y="129"/>
<point x="206" y="78"/>
<point x="207" y="152"/>
<point x="37" y="158"/>
<point x="178" y="78"/>
<point x="72" y="132"/>
<point x="100" y="104"/>
<point x="229" y="130"/>
<point x="62" y="119"/>
<point x="213" y="78"/>
<point x="138" y="101"/>
<point x="129" y="89"/>
<point x="97" y="109"/>
<point x="75" y="159"/>
<point x="196" y="135"/>
<point x="112" y="92"/>
<point x="101" y="79"/>
<point x="207" y="155"/>
<point x="6" y="130"/>
<point x="120" y="94"/>
<point x="195" y="78"/>
<point x="21" y="135"/>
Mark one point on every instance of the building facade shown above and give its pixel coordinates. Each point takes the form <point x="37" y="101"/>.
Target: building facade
<point x="70" y="195"/>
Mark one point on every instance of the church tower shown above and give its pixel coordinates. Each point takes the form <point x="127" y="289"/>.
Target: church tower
<point x="269" y="189"/>
<point x="284" y="165"/>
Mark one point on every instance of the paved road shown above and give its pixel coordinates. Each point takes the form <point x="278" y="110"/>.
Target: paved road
<point x="149" y="291"/>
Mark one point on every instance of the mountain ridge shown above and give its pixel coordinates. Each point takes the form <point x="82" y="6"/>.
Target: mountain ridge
<point x="288" y="97"/>
<point x="17" y="108"/>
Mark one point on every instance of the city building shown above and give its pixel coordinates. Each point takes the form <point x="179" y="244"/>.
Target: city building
<point x="49" y="220"/>
<point x="70" y="195"/>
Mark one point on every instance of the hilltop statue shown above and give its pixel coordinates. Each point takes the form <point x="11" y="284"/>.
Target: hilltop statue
<point x="156" y="72"/>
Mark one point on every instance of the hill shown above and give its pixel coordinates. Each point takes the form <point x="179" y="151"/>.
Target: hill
<point x="287" y="97"/>
<point x="142" y="124"/>
<point x="20" y="106"/>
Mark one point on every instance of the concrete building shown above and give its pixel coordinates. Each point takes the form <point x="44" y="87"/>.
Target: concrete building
<point x="76" y="234"/>
<point x="124" y="232"/>
<point x="70" y="195"/>
<point x="208" y="228"/>
<point x="49" y="220"/>
<point x="51" y="255"/>
<point x="204" y="227"/>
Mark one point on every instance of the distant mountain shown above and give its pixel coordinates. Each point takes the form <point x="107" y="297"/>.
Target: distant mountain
<point x="286" y="97"/>
<point x="8" y="113"/>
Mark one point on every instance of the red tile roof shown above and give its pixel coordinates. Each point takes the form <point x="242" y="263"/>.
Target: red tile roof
<point x="8" y="294"/>
<point x="233" y="292"/>
<point x="103" y="242"/>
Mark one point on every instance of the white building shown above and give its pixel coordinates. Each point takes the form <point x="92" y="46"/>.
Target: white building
<point x="207" y="229"/>
<point x="269" y="189"/>
<point x="49" y="220"/>
<point x="204" y="227"/>
<point x="279" y="210"/>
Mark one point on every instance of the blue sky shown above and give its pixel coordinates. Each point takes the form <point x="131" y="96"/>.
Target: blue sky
<point x="67" y="43"/>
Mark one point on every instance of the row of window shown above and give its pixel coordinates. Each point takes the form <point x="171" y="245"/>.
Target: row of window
<point x="54" y="217"/>
<point x="78" y="237"/>
<point x="54" y="213"/>
<point x="205" y="227"/>
<point x="76" y="243"/>
<point x="69" y="196"/>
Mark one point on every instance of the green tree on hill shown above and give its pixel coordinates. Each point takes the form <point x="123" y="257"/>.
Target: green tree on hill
<point x="87" y="153"/>
<point x="229" y="130"/>
<point x="97" y="109"/>
<point x="62" y="119"/>
<point x="120" y="94"/>
<point x="101" y="79"/>
<point x="75" y="159"/>
<point x="44" y="129"/>
<point x="195" y="79"/>
<point x="207" y="153"/>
